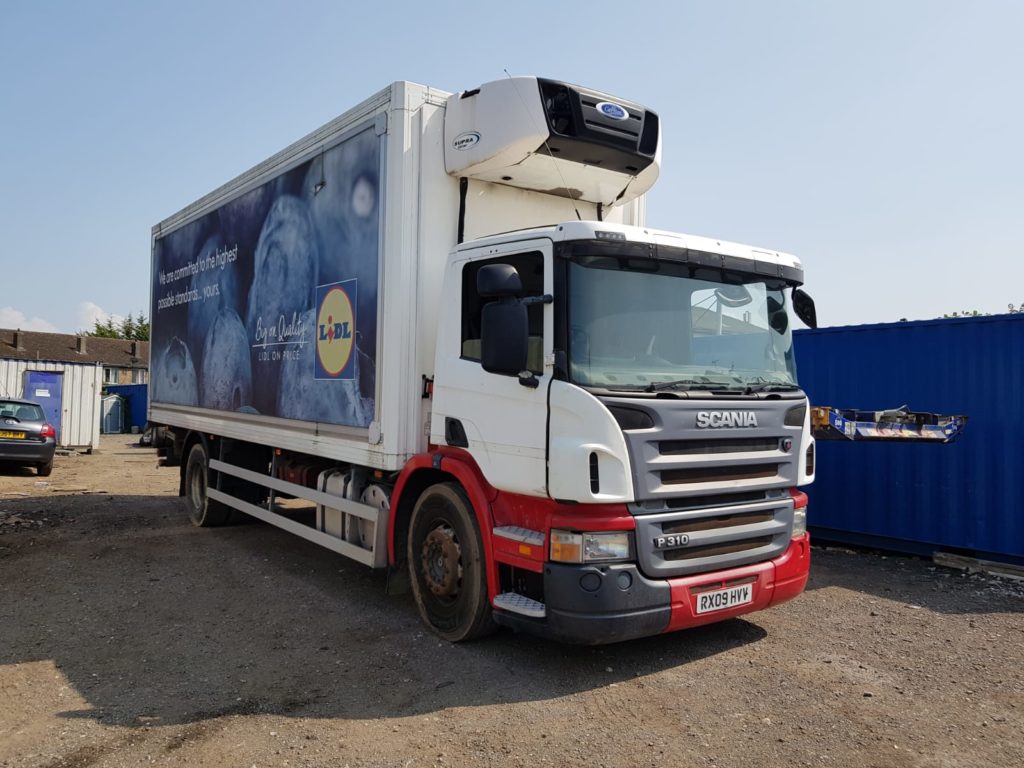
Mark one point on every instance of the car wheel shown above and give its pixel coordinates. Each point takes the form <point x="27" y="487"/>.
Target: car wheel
<point x="44" y="469"/>
<point x="446" y="565"/>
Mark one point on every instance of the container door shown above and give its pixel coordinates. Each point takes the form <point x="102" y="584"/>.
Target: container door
<point x="44" y="388"/>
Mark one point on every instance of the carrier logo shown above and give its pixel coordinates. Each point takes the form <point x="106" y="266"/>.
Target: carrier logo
<point x="722" y="419"/>
<point x="612" y="110"/>
<point x="466" y="140"/>
<point x="335" y="330"/>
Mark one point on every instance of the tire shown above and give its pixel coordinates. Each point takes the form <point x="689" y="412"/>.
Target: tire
<point x="44" y="470"/>
<point x="201" y="511"/>
<point x="446" y="565"/>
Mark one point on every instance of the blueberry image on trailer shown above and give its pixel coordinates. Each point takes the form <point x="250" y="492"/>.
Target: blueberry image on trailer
<point x="174" y="375"/>
<point x="284" y="279"/>
<point x="285" y="266"/>
<point x="182" y="245"/>
<point x="301" y="396"/>
<point x="217" y="289"/>
<point x="227" y="371"/>
<point x="242" y="218"/>
<point x="343" y="190"/>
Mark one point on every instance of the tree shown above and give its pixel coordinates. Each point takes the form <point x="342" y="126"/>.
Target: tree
<point x="103" y="329"/>
<point x="127" y="329"/>
<point x="142" y="328"/>
<point x="130" y="328"/>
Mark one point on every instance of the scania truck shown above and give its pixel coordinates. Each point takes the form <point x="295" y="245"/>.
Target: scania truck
<point x="435" y="336"/>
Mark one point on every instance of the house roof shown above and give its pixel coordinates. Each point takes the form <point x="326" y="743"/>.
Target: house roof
<point x="63" y="347"/>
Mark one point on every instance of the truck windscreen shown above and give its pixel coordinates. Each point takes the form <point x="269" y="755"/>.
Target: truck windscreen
<point x="636" y="323"/>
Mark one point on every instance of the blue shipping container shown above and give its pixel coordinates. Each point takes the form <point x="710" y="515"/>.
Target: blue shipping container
<point x="916" y="497"/>
<point x="136" y="396"/>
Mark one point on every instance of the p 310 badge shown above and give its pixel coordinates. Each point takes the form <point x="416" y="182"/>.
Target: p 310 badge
<point x="671" y="541"/>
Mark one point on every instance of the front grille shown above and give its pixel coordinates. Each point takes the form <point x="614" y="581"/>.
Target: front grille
<point x="706" y="500"/>
<point x="717" y="522"/>
<point x="711" y="550"/>
<point x="714" y="538"/>
<point x="629" y="127"/>
<point x="718" y="474"/>
<point x="733" y="445"/>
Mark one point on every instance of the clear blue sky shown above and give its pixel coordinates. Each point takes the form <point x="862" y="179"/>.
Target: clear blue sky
<point x="882" y="142"/>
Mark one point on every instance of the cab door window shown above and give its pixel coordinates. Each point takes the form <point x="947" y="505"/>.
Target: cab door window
<point x="530" y="267"/>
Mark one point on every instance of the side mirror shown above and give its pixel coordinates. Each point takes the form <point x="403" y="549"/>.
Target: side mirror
<point x="496" y="281"/>
<point x="504" y="325"/>
<point x="803" y="305"/>
<point x="504" y="336"/>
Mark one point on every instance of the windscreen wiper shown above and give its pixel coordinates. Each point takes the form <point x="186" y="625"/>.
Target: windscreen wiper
<point x="770" y="386"/>
<point x="683" y="384"/>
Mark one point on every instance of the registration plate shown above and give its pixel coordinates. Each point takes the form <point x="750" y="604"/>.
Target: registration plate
<point x="720" y="599"/>
<point x="14" y="435"/>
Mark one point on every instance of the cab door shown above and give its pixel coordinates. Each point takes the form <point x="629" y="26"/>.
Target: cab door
<point x="498" y="420"/>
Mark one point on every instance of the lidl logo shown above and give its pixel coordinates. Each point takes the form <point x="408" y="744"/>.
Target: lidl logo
<point x="336" y="330"/>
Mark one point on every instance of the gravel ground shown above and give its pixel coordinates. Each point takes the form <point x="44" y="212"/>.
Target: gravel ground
<point x="128" y="637"/>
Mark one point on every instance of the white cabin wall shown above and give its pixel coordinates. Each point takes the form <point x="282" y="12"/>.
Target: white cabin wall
<point x="494" y="208"/>
<point x="438" y="205"/>
<point x="80" y="397"/>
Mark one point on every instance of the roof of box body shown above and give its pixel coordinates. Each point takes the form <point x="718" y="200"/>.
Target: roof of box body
<point x="63" y="347"/>
<point x="588" y="230"/>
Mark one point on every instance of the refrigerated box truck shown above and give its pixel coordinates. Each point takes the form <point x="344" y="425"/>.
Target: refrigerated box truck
<point x="435" y="336"/>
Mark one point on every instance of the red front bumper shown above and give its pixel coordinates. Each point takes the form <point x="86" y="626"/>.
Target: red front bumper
<point x="593" y="604"/>
<point x="774" y="582"/>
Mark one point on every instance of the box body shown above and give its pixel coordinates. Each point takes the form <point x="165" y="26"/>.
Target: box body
<point x="295" y="306"/>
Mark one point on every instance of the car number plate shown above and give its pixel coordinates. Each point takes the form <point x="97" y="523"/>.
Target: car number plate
<point x="720" y="599"/>
<point x="13" y="435"/>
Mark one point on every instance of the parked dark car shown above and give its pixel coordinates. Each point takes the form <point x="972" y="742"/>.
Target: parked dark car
<point x="25" y="435"/>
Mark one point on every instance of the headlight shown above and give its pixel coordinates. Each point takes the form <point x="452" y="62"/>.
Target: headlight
<point x="569" y="547"/>
<point x="795" y="416"/>
<point x="799" y="521"/>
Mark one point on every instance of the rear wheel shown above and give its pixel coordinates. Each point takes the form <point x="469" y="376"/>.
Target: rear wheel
<point x="446" y="565"/>
<point x="201" y="510"/>
<point x="44" y="469"/>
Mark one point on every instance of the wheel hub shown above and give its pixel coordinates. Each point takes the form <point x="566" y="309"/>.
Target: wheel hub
<point x="198" y="490"/>
<point x="441" y="560"/>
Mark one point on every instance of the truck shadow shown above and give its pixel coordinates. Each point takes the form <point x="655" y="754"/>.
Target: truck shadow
<point x="154" y="622"/>
<point x="912" y="581"/>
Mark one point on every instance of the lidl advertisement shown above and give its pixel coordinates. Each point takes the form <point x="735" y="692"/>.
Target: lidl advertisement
<point x="269" y="303"/>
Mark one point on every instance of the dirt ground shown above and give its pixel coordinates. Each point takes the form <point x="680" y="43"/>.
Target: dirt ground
<point x="128" y="638"/>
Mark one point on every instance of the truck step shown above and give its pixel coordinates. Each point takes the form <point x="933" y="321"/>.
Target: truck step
<point x="516" y="603"/>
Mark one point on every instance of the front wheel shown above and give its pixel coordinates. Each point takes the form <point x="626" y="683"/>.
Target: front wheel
<point x="446" y="565"/>
<point x="201" y="510"/>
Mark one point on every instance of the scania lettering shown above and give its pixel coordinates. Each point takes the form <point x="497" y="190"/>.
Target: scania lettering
<point x="446" y="345"/>
<point x="719" y="419"/>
